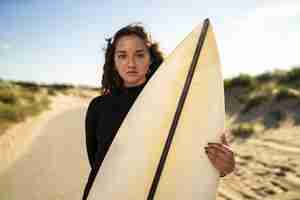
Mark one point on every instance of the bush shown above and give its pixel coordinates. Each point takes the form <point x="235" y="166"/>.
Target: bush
<point x="255" y="101"/>
<point x="17" y="102"/>
<point x="284" y="93"/>
<point x="8" y="96"/>
<point x="267" y="76"/>
<point x="51" y="92"/>
<point x="61" y="86"/>
<point x="243" y="80"/>
<point x="277" y="115"/>
<point x="273" y="118"/>
<point x="9" y="113"/>
<point x="243" y="130"/>
<point x="31" y="86"/>
<point x="293" y="75"/>
<point x="291" y="78"/>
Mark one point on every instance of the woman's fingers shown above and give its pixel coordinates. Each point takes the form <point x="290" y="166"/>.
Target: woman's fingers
<point x="220" y="154"/>
<point x="224" y="139"/>
<point x="219" y="163"/>
<point x="220" y="147"/>
<point x="211" y="156"/>
<point x="215" y="156"/>
<point x="221" y="157"/>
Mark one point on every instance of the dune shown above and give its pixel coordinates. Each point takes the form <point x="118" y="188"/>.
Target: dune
<point x="44" y="157"/>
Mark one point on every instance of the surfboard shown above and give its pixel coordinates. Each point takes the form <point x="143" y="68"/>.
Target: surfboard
<point x="184" y="99"/>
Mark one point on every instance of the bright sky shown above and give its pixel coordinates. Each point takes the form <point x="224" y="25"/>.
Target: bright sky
<point x="61" y="41"/>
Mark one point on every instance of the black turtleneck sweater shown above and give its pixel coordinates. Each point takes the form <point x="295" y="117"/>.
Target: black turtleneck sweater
<point x="103" y="119"/>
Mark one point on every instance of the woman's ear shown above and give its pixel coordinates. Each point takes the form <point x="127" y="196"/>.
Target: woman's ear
<point x="151" y="62"/>
<point x="148" y="72"/>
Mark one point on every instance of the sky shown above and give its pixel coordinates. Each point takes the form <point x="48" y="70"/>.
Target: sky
<point x="62" y="41"/>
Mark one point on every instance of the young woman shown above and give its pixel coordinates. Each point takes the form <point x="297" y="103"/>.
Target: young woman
<point x="130" y="60"/>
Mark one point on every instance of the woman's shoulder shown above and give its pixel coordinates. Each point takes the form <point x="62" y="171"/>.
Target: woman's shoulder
<point x="99" y="100"/>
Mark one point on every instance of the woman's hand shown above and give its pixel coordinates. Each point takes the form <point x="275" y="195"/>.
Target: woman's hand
<point x="221" y="156"/>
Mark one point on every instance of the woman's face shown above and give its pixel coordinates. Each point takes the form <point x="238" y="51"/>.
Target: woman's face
<point x="132" y="60"/>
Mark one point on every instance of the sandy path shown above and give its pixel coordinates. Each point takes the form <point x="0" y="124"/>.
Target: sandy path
<point x="16" y="140"/>
<point x="267" y="168"/>
<point x="44" y="157"/>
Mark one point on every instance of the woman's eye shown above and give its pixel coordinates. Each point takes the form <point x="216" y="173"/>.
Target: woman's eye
<point x="141" y="55"/>
<point x="121" y="56"/>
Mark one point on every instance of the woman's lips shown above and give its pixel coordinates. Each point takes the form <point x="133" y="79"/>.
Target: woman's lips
<point x="132" y="73"/>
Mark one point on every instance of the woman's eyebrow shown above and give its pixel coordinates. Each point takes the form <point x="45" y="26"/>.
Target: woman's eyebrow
<point x="124" y="52"/>
<point x="120" y="51"/>
<point x="140" y="51"/>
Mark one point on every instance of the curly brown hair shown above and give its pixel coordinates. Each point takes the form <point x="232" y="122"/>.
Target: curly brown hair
<point x="111" y="78"/>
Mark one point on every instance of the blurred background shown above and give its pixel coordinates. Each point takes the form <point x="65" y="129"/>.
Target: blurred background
<point x="51" y="56"/>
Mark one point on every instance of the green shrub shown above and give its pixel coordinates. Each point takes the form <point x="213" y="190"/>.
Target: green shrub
<point x="277" y="115"/>
<point x="243" y="130"/>
<point x="293" y="75"/>
<point x="284" y="93"/>
<point x="291" y="78"/>
<point x="5" y="85"/>
<point x="227" y="84"/>
<point x="264" y="77"/>
<point x="243" y="98"/>
<point x="61" y="86"/>
<point x="35" y="107"/>
<point x="10" y="113"/>
<point x="8" y="96"/>
<point x="28" y="96"/>
<point x="19" y="101"/>
<point x="255" y="101"/>
<point x="243" y="80"/>
<point x="273" y="118"/>
<point x="51" y="92"/>
<point x="30" y="86"/>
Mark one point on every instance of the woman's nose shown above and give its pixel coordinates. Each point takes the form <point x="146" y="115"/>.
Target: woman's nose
<point x="131" y="62"/>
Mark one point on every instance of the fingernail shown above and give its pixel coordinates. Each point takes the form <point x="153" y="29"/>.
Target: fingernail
<point x="211" y="143"/>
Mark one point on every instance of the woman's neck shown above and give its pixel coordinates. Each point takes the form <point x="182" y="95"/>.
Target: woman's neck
<point x="129" y="85"/>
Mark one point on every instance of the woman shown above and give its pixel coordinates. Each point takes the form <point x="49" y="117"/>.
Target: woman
<point x="130" y="60"/>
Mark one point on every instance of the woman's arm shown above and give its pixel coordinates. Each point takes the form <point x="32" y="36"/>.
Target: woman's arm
<point x="90" y="131"/>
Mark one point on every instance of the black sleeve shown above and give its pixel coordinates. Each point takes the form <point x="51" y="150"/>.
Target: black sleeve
<point x="90" y="130"/>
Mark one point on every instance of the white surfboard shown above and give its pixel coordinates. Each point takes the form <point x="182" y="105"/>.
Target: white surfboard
<point x="130" y="165"/>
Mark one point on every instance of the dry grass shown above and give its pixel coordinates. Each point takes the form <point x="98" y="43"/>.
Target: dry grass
<point x="19" y="100"/>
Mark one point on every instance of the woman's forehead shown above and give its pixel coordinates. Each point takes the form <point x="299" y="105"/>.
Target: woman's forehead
<point x="129" y="42"/>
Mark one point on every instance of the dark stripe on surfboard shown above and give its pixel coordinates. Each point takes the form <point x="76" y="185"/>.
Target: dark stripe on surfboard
<point x="178" y="111"/>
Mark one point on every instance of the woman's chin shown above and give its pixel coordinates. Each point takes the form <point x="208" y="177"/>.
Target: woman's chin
<point x="133" y="82"/>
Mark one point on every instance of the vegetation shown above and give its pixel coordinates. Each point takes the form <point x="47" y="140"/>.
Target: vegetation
<point x="284" y="93"/>
<point x="269" y="93"/>
<point x="277" y="115"/>
<point x="243" y="80"/>
<point x="264" y="77"/>
<point x="255" y="101"/>
<point x="273" y="118"/>
<point x="19" y="100"/>
<point x="291" y="78"/>
<point x="243" y="130"/>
